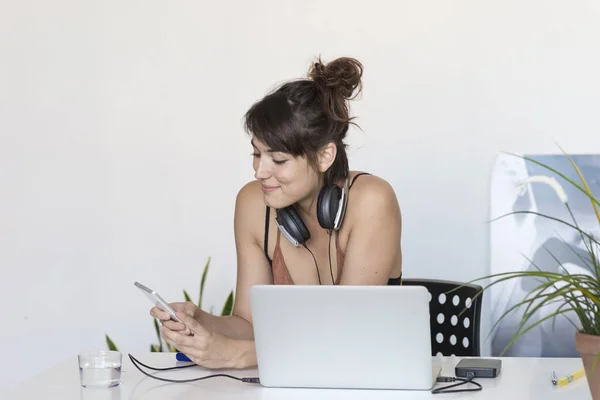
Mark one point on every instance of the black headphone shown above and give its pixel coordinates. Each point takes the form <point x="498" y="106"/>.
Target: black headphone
<point x="331" y="207"/>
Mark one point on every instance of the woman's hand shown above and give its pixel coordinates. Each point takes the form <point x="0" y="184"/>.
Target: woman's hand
<point x="203" y="347"/>
<point x="187" y="308"/>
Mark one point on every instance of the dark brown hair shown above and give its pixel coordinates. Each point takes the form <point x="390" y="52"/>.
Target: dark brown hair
<point x="302" y="116"/>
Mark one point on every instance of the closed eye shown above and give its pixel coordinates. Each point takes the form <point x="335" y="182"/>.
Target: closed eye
<point x="278" y="162"/>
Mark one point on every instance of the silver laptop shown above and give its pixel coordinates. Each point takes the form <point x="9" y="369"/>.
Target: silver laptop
<point x="351" y="337"/>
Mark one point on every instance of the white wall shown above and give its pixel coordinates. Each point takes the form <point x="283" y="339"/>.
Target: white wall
<point x="121" y="147"/>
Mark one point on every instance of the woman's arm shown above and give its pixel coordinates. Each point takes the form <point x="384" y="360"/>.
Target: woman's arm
<point x="253" y="268"/>
<point x="374" y="248"/>
<point x="229" y="325"/>
<point x="228" y="341"/>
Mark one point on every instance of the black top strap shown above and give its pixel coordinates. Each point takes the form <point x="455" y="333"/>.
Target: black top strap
<point x="395" y="281"/>
<point x="267" y="220"/>
<point x="356" y="176"/>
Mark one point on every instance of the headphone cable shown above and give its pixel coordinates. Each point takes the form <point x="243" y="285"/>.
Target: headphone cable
<point x="135" y="362"/>
<point x="329" y="251"/>
<point x="315" y="260"/>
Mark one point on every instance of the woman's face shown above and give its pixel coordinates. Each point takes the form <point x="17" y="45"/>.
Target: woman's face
<point x="285" y="179"/>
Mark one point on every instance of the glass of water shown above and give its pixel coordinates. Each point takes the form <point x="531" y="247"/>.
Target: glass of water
<point x="100" y="368"/>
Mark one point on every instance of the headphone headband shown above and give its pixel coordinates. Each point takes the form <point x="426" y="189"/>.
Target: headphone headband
<point x="341" y="209"/>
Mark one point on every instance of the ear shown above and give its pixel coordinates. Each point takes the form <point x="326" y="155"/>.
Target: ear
<point x="326" y="156"/>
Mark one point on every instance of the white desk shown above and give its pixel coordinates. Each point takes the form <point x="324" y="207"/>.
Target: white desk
<point x="521" y="378"/>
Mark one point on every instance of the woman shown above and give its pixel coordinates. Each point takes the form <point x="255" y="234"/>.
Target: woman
<point x="297" y="135"/>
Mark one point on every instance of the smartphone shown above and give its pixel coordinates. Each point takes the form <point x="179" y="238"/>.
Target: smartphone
<point x="157" y="301"/>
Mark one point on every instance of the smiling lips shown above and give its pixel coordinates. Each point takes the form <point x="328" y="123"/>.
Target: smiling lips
<point x="268" y="189"/>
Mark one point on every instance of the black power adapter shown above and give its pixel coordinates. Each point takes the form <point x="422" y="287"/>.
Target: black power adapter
<point x="478" y="368"/>
<point x="466" y="371"/>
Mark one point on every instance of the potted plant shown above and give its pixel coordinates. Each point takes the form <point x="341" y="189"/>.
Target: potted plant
<point x="574" y="293"/>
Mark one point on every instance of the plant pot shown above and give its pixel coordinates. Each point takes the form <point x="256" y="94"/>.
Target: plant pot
<point x="589" y="348"/>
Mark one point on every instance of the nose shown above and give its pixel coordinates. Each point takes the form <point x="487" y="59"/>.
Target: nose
<point x="262" y="171"/>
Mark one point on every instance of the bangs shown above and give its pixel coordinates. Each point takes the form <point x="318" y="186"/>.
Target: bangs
<point x="272" y="121"/>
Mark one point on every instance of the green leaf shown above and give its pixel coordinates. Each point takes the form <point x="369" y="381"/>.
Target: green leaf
<point x="585" y="185"/>
<point x="203" y="282"/>
<point x="186" y="296"/>
<point x="596" y="359"/>
<point x="154" y="348"/>
<point x="228" y="306"/>
<point x="157" y="329"/>
<point x="111" y="345"/>
<point x="527" y="300"/>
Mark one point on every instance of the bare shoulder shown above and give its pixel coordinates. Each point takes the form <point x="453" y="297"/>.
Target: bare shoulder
<point x="373" y="192"/>
<point x="249" y="193"/>
<point x="372" y="238"/>
<point x="248" y="205"/>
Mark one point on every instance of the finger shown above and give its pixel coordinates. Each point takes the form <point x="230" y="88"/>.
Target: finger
<point x="174" y="326"/>
<point x="159" y="314"/>
<point x="192" y="324"/>
<point x="170" y="341"/>
<point x="176" y="339"/>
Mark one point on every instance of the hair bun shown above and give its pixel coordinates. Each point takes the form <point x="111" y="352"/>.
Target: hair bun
<point x="342" y="75"/>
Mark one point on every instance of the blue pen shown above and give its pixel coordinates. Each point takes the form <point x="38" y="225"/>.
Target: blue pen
<point x="182" y="357"/>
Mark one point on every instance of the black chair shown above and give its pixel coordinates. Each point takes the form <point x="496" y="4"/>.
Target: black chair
<point x="451" y="334"/>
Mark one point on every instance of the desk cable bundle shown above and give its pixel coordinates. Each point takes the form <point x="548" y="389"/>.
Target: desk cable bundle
<point x="462" y="381"/>
<point x="135" y="362"/>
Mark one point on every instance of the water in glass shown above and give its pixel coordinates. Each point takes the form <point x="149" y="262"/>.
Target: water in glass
<point x="100" y="369"/>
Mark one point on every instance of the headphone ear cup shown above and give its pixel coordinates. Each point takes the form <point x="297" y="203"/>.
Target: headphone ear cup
<point x="327" y="206"/>
<point x="291" y="225"/>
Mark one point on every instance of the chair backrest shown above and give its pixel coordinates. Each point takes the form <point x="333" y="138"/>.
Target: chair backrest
<point x="451" y="334"/>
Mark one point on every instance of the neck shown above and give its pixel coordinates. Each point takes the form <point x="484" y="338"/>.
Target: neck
<point x="307" y="207"/>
